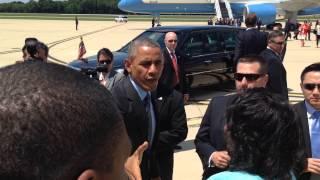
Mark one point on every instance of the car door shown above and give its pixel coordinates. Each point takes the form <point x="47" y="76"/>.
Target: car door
<point x="193" y="57"/>
<point x="204" y="57"/>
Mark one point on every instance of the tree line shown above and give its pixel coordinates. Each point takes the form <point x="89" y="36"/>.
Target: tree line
<point x="68" y="7"/>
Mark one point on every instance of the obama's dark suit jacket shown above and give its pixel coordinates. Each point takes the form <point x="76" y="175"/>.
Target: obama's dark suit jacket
<point x="136" y="121"/>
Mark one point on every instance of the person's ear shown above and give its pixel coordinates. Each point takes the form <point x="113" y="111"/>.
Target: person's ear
<point x="88" y="174"/>
<point x="266" y="79"/>
<point x="127" y="65"/>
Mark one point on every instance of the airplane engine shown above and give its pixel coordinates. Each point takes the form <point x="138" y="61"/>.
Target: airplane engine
<point x="266" y="12"/>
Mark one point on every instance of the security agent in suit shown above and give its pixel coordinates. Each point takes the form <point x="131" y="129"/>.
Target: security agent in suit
<point x="172" y="115"/>
<point x="277" y="73"/>
<point x="173" y="129"/>
<point x="310" y="81"/>
<point x="173" y="78"/>
<point x="144" y="66"/>
<point x="251" y="72"/>
<point x="251" y="41"/>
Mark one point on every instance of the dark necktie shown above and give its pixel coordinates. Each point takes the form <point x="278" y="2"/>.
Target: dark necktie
<point x="315" y="135"/>
<point x="147" y="105"/>
<point x="175" y="67"/>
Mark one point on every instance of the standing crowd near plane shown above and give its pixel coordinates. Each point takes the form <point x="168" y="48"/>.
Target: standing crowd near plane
<point x="65" y="125"/>
<point x="227" y="21"/>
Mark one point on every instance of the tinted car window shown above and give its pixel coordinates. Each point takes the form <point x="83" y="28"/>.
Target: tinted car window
<point x="214" y="41"/>
<point x="194" y="45"/>
<point x="229" y="40"/>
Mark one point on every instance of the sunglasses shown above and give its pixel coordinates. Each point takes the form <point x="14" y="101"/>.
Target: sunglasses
<point x="105" y="62"/>
<point x="171" y="40"/>
<point x="279" y="43"/>
<point x="249" y="77"/>
<point x="311" y="86"/>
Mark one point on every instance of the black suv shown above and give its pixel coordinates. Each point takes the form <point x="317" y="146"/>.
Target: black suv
<point x="207" y="51"/>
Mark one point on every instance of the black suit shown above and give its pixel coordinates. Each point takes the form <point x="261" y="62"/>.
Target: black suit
<point x="136" y="121"/>
<point x="173" y="122"/>
<point x="249" y="42"/>
<point x="301" y="112"/>
<point x="277" y="82"/>
<point x="210" y="136"/>
<point x="173" y="130"/>
<point x="166" y="81"/>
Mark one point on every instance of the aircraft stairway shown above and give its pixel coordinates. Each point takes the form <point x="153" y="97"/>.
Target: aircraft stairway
<point x="223" y="9"/>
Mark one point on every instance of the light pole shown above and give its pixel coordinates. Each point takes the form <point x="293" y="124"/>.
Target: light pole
<point x="96" y="6"/>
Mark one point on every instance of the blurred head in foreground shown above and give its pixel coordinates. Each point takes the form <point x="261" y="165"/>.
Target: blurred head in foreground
<point x="263" y="135"/>
<point x="58" y="124"/>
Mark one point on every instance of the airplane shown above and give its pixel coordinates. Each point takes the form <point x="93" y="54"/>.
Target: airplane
<point x="266" y="10"/>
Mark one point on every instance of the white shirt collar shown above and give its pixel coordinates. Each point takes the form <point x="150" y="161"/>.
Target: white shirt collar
<point x="170" y="51"/>
<point x="103" y="76"/>
<point x="249" y="28"/>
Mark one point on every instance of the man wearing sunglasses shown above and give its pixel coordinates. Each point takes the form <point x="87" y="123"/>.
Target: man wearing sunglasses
<point x="173" y="76"/>
<point x="251" y="72"/>
<point x="106" y="76"/>
<point x="277" y="73"/>
<point x="308" y="113"/>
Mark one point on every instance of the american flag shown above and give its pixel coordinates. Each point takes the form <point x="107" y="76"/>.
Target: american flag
<point x="82" y="50"/>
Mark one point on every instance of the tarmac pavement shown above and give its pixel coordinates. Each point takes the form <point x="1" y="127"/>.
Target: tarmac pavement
<point x="63" y="41"/>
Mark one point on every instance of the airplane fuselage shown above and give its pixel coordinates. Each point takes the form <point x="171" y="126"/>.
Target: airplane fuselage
<point x="265" y="9"/>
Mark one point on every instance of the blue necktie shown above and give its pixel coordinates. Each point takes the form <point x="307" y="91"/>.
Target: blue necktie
<point x="147" y="103"/>
<point x="315" y="135"/>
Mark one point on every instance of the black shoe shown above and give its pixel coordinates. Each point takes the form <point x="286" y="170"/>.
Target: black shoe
<point x="177" y="147"/>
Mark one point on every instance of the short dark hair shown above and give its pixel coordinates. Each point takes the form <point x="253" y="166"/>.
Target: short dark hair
<point x="255" y="59"/>
<point x="134" y="45"/>
<point x="55" y="123"/>
<point x="41" y="45"/>
<point x="274" y="34"/>
<point x="105" y="51"/>
<point x="30" y="39"/>
<point x="251" y="20"/>
<point x="312" y="67"/>
<point x="263" y="135"/>
<point x="30" y="45"/>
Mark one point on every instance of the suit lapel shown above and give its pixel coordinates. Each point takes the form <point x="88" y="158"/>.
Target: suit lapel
<point x="302" y="111"/>
<point x="136" y="108"/>
<point x="156" y="115"/>
<point x="168" y="60"/>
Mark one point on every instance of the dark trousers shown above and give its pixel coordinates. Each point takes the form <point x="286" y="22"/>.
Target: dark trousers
<point x="165" y="160"/>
